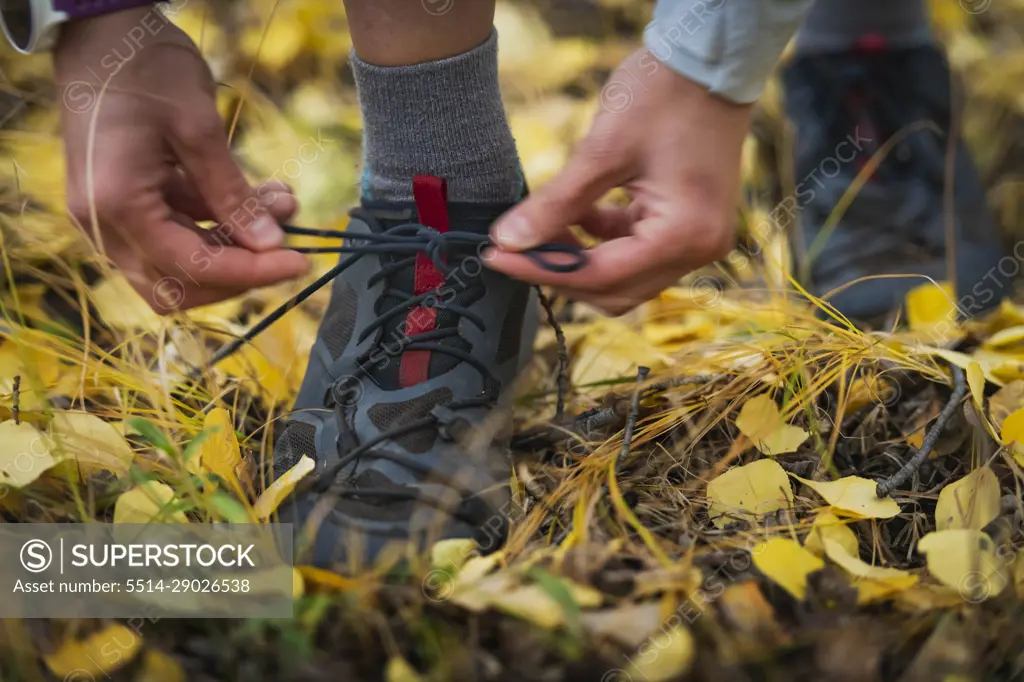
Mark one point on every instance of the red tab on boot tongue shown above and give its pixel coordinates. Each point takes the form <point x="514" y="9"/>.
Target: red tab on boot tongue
<point x="431" y="194"/>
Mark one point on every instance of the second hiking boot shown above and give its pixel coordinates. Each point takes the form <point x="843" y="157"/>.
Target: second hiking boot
<point x="845" y="106"/>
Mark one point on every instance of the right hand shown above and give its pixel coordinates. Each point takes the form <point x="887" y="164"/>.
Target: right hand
<point x="148" y="157"/>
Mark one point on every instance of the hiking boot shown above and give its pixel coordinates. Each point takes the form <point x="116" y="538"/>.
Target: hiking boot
<point x="415" y="350"/>
<point x="845" y="106"/>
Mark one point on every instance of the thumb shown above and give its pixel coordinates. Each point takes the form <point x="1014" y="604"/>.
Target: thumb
<point x="203" y="151"/>
<point x="544" y="216"/>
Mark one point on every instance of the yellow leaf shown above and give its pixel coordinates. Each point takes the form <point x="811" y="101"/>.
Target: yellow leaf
<point x="752" y="490"/>
<point x="25" y="454"/>
<point x="90" y="658"/>
<point x="873" y="582"/>
<point x="786" y="563"/>
<point x="828" y="526"/>
<point x="218" y="452"/>
<point x="854" y="495"/>
<point x="148" y="502"/>
<point x="628" y="624"/>
<point x="1005" y="338"/>
<point x="159" y="667"/>
<point x="976" y="382"/>
<point x="931" y="307"/>
<point x="966" y="560"/>
<point x="760" y="421"/>
<point x="38" y="371"/>
<point x="1005" y="402"/>
<point x="90" y="443"/>
<point x="272" y="497"/>
<point x="399" y="670"/>
<point x="1013" y="434"/>
<point x="533" y="604"/>
<point x="870" y="390"/>
<point x="613" y="350"/>
<point x="971" y="502"/>
<point x="668" y="656"/>
<point x="453" y="553"/>
<point x="122" y="308"/>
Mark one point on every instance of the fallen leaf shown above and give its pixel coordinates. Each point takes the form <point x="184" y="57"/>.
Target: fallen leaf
<point x="159" y="667"/>
<point x="148" y="502"/>
<point x="870" y="390"/>
<point x="972" y="502"/>
<point x="854" y="495"/>
<point x="966" y="560"/>
<point x="399" y="670"/>
<point x="122" y="308"/>
<point x="280" y="489"/>
<point x="749" y="491"/>
<point x="1005" y="402"/>
<point x="219" y="452"/>
<point x="786" y="563"/>
<point x="453" y="553"/>
<point x="666" y="656"/>
<point x="89" y="658"/>
<point x="534" y="604"/>
<point x="628" y="625"/>
<point x="760" y="421"/>
<point x="25" y="453"/>
<point x="931" y="307"/>
<point x="1013" y="435"/>
<point x="38" y="371"/>
<point x="976" y="382"/>
<point x="88" y="444"/>
<point x="828" y="526"/>
<point x="872" y="582"/>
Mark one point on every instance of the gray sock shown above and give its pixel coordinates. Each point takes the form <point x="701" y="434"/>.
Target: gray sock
<point x="837" y="25"/>
<point x="441" y="118"/>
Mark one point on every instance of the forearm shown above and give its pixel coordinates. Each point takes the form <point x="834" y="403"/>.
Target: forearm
<point x="729" y="46"/>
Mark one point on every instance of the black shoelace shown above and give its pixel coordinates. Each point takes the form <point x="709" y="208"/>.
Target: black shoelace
<point x="402" y="244"/>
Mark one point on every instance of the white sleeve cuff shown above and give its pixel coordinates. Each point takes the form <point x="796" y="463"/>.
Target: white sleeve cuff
<point x="729" y="46"/>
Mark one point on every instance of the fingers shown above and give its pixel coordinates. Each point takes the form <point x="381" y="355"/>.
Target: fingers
<point x="182" y="196"/>
<point x="626" y="271"/>
<point x="200" y="144"/>
<point x="188" y="267"/>
<point x="564" y="200"/>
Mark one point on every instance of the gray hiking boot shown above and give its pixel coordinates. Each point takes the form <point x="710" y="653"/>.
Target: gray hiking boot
<point x="845" y="107"/>
<point x="402" y="405"/>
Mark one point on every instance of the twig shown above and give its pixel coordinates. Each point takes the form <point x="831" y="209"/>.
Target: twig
<point x="563" y="356"/>
<point x="634" y="410"/>
<point x="16" y="398"/>
<point x="914" y="463"/>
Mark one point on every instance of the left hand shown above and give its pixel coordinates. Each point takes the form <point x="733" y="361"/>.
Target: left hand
<point x="675" y="148"/>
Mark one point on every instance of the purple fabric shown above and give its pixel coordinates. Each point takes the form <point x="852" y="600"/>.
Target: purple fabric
<point x="79" y="9"/>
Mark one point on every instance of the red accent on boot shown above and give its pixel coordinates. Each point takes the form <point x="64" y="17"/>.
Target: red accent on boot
<point x="871" y="43"/>
<point x="431" y="194"/>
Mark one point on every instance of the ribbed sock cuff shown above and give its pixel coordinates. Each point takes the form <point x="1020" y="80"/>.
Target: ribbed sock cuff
<point x="443" y="118"/>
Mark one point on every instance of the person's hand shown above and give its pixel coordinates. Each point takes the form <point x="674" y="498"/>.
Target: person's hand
<point x="147" y="157"/>
<point x="675" y="148"/>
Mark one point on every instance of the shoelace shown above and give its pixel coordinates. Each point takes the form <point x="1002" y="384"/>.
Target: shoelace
<point x="404" y="242"/>
<point x="408" y="239"/>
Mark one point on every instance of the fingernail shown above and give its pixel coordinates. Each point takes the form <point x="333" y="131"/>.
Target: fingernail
<point x="266" y="233"/>
<point x="488" y="254"/>
<point x="515" y="234"/>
